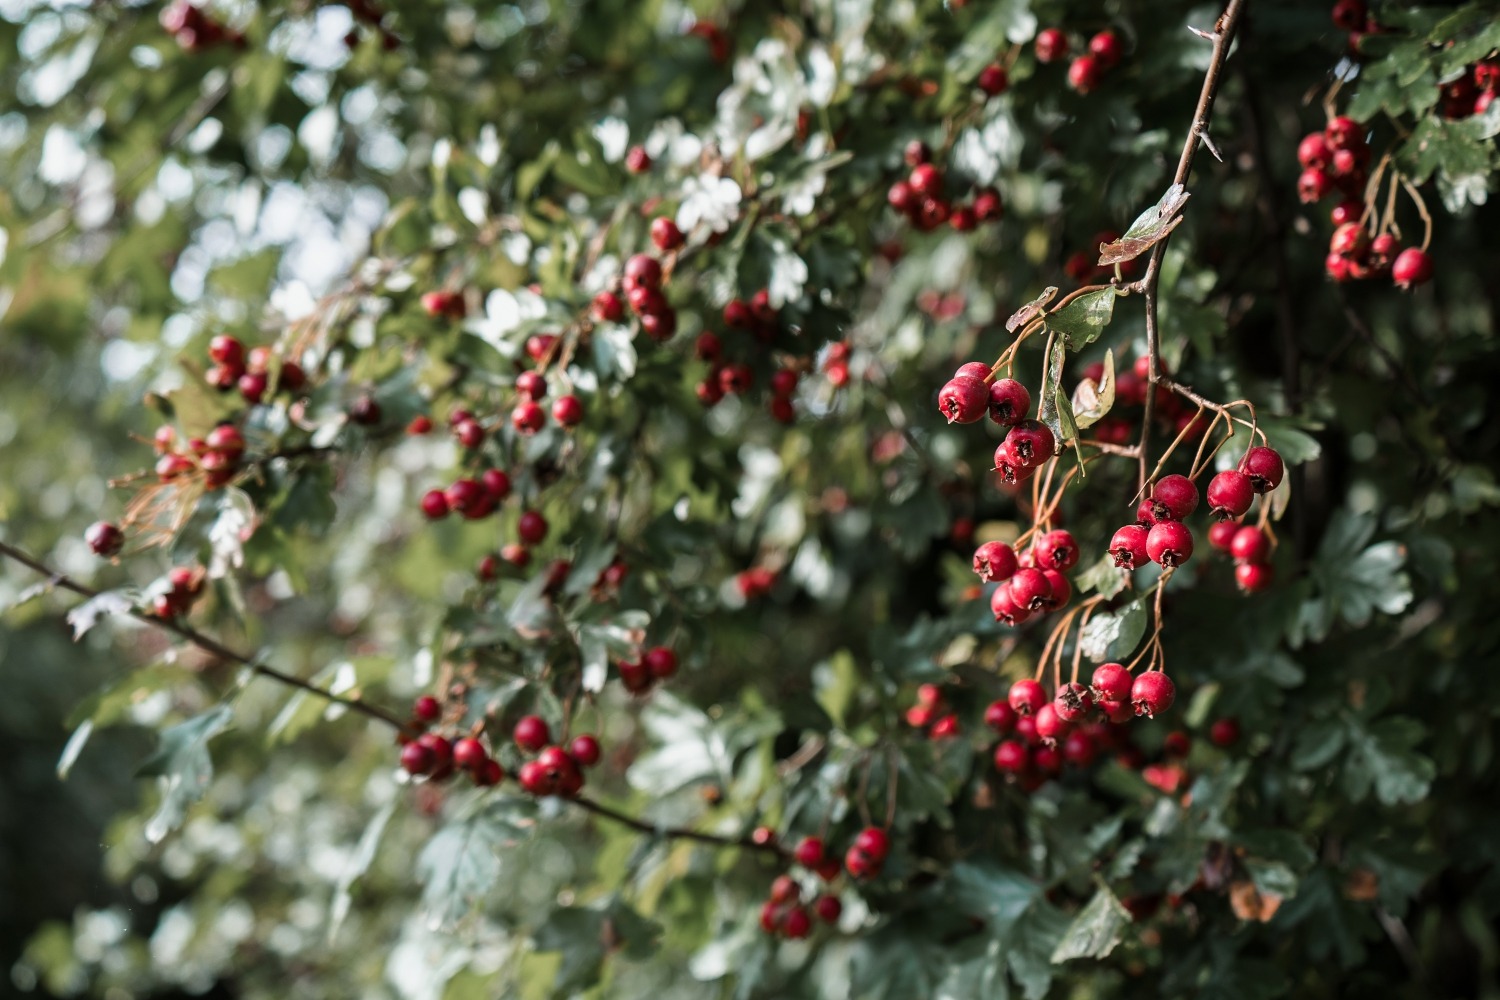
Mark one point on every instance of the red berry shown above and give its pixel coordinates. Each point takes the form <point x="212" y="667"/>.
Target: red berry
<point x="926" y="180"/>
<point x="1111" y="682"/>
<point x="994" y="561"/>
<point x="468" y="754"/>
<point x="1029" y="589"/>
<point x="873" y="842"/>
<point x="585" y="750"/>
<point x="1382" y="250"/>
<point x="469" y="433"/>
<point x="1350" y="15"/>
<point x="528" y="417"/>
<point x="1254" y="577"/>
<point x="104" y="538"/>
<point x="737" y="314"/>
<point x="539" y="345"/>
<point x="1011" y="757"/>
<point x="1078" y="749"/>
<point x="916" y="153"/>
<point x="496" y="484"/>
<point x="1026" y="696"/>
<point x="1073" y="702"/>
<point x="993" y="80"/>
<point x="1344" y="133"/>
<point x="861" y="865"/>
<point x="1224" y="732"/>
<point x="435" y="504"/>
<point x="1346" y="212"/>
<point x="608" y="308"/>
<point x="1177" y="744"/>
<point x="642" y="271"/>
<point x="1169" y="543"/>
<point x="1026" y="730"/>
<point x="809" y="852"/>
<point x="1128" y="547"/>
<point x="838" y="373"/>
<point x="987" y="205"/>
<point x="665" y="234"/>
<point x="365" y="411"/>
<point x="416" y="758"/>
<point x="1106" y="48"/>
<point x="536" y="780"/>
<point x="1264" y="467"/>
<point x="635" y="676"/>
<point x="659" y="326"/>
<point x="531" y="528"/>
<point x="1230" y="494"/>
<point x="1313" y="184"/>
<point x="1221" y="534"/>
<point x="531" y="733"/>
<point x="1250" y="545"/>
<point x="568" y="411"/>
<point x="1173" y="498"/>
<point x="1313" y="152"/>
<point x="489" y="773"/>
<point x="1050" y="726"/>
<point x="964" y="400"/>
<point x="252" y="386"/>
<point x="1411" y="267"/>
<point x="796" y="924"/>
<point x="1084" y="73"/>
<point x="1031" y="443"/>
<point x="1152" y="693"/>
<point x="770" y="917"/>
<point x="1047" y="759"/>
<point x="531" y="385"/>
<point x="463" y="496"/>
<point x="442" y="753"/>
<point x="1348" y="240"/>
<point x="900" y="196"/>
<point x="828" y="908"/>
<point x="963" y="219"/>
<point x="1056" y="550"/>
<point x="1009" y="402"/>
<point x="945" y="728"/>
<point x="637" y="161"/>
<point x="1062" y="590"/>
<point x="227" y="351"/>
<point x="661" y="662"/>
<point x="1005" y="608"/>
<point x="1051" y="45"/>
<point x="426" y="708"/>
<point x="1000" y="717"/>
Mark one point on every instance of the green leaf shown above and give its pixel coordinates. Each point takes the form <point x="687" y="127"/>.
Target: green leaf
<point x="1005" y="22"/>
<point x="1318" y="743"/>
<point x="463" y="861"/>
<point x="1030" y="310"/>
<point x="357" y="865"/>
<point x="1082" y="321"/>
<point x="1091" y="403"/>
<point x="1103" y="577"/>
<point x="182" y="764"/>
<point x="1385" y="754"/>
<point x="1096" y="930"/>
<point x="1047" y="411"/>
<point x="1148" y="229"/>
<point x="86" y="615"/>
<point x="1113" y="635"/>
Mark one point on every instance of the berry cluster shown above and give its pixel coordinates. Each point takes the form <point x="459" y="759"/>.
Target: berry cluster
<point x="930" y="713"/>
<point x="735" y="378"/>
<point x="656" y="664"/>
<point x="445" y="304"/>
<point x="1250" y="548"/>
<point x="216" y="455"/>
<point x="1087" y="69"/>
<point x="194" y="30"/>
<point x="184" y="584"/>
<point x="921" y="197"/>
<point x="250" y="373"/>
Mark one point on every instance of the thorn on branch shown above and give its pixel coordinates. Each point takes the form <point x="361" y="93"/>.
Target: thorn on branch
<point x="1208" y="36"/>
<point x="1202" y="129"/>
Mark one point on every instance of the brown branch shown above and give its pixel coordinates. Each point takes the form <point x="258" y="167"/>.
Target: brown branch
<point x="678" y="832"/>
<point x="206" y="643"/>
<point x="1222" y="36"/>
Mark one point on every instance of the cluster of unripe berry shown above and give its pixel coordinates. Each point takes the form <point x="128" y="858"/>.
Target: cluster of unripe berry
<point x="1086" y="69"/>
<point x="922" y="199"/>
<point x="250" y="373"/>
<point x="217" y="455"/>
<point x="194" y="30"/>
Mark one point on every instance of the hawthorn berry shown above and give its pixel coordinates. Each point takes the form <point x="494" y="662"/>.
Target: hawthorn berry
<point x="1009" y="402"/>
<point x="435" y="504"/>
<point x="1105" y="47"/>
<point x="585" y="750"/>
<point x="736" y="379"/>
<point x="531" y="733"/>
<point x="1169" y="543"/>
<point x="468" y="754"/>
<point x="1111" y="682"/>
<point x="365" y="411"/>
<point x="608" y="308"/>
<point x="495" y="483"/>
<point x="860" y="865"/>
<point x="441" y="749"/>
<point x="1078" y="749"/>
<point x="635" y="676"/>
<point x="926" y="180"/>
<point x="1313" y="152"/>
<point x="637" y="160"/>
<point x="1026" y="696"/>
<point x="1313" y="184"/>
<point x="427" y="708"/>
<point x="1173" y="498"/>
<point x="1029" y="588"/>
<point x="873" y="842"/>
<point x="416" y="759"/>
<point x="809" y="852"/>
<point x="796" y="924"/>
<point x="1230" y="494"/>
<point x="104" y="538"/>
<point x="531" y="528"/>
<point x="1221" y="534"/>
<point x="661" y="662"/>
<point x="945" y="728"/>
<point x="1047" y="759"/>
<point x="1152" y="693"/>
<point x="1128" y="547"/>
<point x="828" y="909"/>
<point x="463" y="495"/>
<point x="1073" y="702"/>
<point x="993" y="80"/>
<point x="567" y="410"/>
<point x="665" y="234"/>
<point x="252" y="386"/>
<point x="642" y="271"/>
<point x="488" y="773"/>
<point x="1252" y="578"/>
<point x="1011" y="757"/>
<point x="1264" y="467"/>
<point x="994" y="561"/>
<point x="1056" y="550"/>
<point x="1412" y="267"/>
<point x="1224" y="732"/>
<point x="1084" y="73"/>
<point x="1000" y="717"/>
<point x="987" y="205"/>
<point x="964" y="399"/>
<point x="963" y="219"/>
<point x="1050" y="725"/>
<point x="1344" y="133"/>
<point x="535" y="779"/>
<point x="539" y="345"/>
<point x="469" y="434"/>
<point x="899" y="196"/>
<point x="1062" y="590"/>
<point x="1030" y="442"/>
<point x="1051" y="45"/>
<point x="916" y="153"/>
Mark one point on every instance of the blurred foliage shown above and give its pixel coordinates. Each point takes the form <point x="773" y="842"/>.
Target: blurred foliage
<point x="303" y="192"/>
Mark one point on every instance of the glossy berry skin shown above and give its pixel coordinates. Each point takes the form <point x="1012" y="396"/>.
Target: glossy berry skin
<point x="1011" y="757"/>
<point x="568" y="411"/>
<point x="489" y="773"/>
<point x="1128" y="547"/>
<point x="252" y="386"/>
<point x="1152" y="693"/>
<point x="796" y="924"/>
<point x="1344" y="133"/>
<point x="495" y="483"/>
<point x="1011" y="469"/>
<point x="1250" y="545"/>
<point x="227" y="351"/>
<point x="1005" y="609"/>
<point x="1230" y="494"/>
<point x="528" y="417"/>
<point x="1056" y="550"/>
<point x="1051" y="45"/>
<point x="1105" y="47"/>
<point x="1062" y="590"/>
<point x="637" y="160"/>
<point x="532" y="385"/>
<point x="1111" y="682"/>
<point x="993" y="80"/>
<point x="665" y="234"/>
<point x="988" y="205"/>
<point x="661" y="662"/>
<point x="1169" y="543"/>
<point x="104" y="538"/>
<point x="635" y="676"/>
<point x="1252" y="578"/>
<point x="1026" y="696"/>
<point x="945" y="728"/>
<point x="1264" y="467"/>
<point x="828" y="909"/>
<point x="1030" y="589"/>
<point x="531" y="528"/>
<point x="1173" y="498"/>
<point x="469" y="433"/>
<point x="585" y="750"/>
<point x="964" y="400"/>
<point x="642" y="271"/>
<point x="1073" y="702"/>
<point x="1000" y="717"/>
<point x="926" y="180"/>
<point x="434" y="505"/>
<point x="442" y="753"/>
<point x="608" y="308"/>
<point x="1031" y="443"/>
<point x="1314" y="184"/>
<point x="416" y="759"/>
<point x="463" y="496"/>
<point x="1078" y="749"/>
<point x="468" y="754"/>
<point x="531" y="733"/>
<point x="809" y="852"/>
<point x="899" y="196"/>
<point x="1412" y="267"/>
<point x="1084" y="74"/>
<point x="1009" y="402"/>
<point x="1221" y="535"/>
<point x="427" y="708"/>
<point x="1050" y="726"/>
<point x="873" y="842"/>
<point x="225" y="438"/>
<point x="1224" y="732"/>
<point x="1313" y="152"/>
<point x="994" y="561"/>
